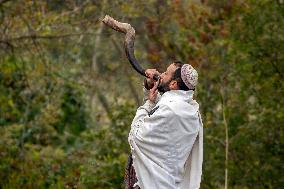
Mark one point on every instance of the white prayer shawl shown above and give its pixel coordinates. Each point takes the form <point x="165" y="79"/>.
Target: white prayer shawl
<point x="166" y="142"/>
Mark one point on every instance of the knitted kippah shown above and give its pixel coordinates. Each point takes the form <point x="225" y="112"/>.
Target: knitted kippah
<point x="189" y="76"/>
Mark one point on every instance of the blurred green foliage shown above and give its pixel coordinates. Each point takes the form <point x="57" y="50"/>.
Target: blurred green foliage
<point x="68" y="95"/>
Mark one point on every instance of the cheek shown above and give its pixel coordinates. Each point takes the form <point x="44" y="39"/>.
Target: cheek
<point x="167" y="78"/>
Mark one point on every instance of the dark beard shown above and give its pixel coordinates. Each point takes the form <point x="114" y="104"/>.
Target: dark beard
<point x="163" y="87"/>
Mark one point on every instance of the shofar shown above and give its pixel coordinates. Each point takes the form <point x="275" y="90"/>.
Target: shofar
<point x="128" y="42"/>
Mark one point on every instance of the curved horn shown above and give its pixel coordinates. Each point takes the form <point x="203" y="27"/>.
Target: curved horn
<point x="128" y="42"/>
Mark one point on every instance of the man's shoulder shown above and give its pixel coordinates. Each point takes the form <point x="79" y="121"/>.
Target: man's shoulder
<point x="179" y="107"/>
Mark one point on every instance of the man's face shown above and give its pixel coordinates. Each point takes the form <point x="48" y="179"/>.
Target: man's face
<point x="166" y="79"/>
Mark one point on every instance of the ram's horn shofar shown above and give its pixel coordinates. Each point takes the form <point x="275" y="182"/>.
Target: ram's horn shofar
<point x="128" y="42"/>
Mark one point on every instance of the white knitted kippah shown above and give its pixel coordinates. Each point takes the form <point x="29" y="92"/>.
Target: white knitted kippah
<point x="189" y="76"/>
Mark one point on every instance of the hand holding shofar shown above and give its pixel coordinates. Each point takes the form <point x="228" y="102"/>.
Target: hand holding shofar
<point x="129" y="32"/>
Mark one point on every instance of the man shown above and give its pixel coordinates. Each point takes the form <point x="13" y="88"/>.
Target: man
<point x="166" y="136"/>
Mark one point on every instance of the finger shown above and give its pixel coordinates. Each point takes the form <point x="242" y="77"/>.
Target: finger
<point x="147" y="72"/>
<point x="150" y="73"/>
<point x="156" y="73"/>
<point x="156" y="92"/>
<point x="153" y="90"/>
<point x="156" y="85"/>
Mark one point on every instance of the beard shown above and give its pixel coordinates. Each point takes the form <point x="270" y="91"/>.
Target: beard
<point x="163" y="87"/>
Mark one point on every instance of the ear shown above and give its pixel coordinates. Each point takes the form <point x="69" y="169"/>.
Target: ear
<point x="173" y="85"/>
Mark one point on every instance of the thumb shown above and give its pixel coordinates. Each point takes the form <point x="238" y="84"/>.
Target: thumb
<point x="156" y="85"/>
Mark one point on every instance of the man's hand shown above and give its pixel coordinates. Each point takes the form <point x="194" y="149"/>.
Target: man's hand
<point x="153" y="92"/>
<point x="149" y="83"/>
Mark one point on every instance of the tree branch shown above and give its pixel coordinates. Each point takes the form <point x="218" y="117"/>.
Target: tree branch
<point x="34" y="36"/>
